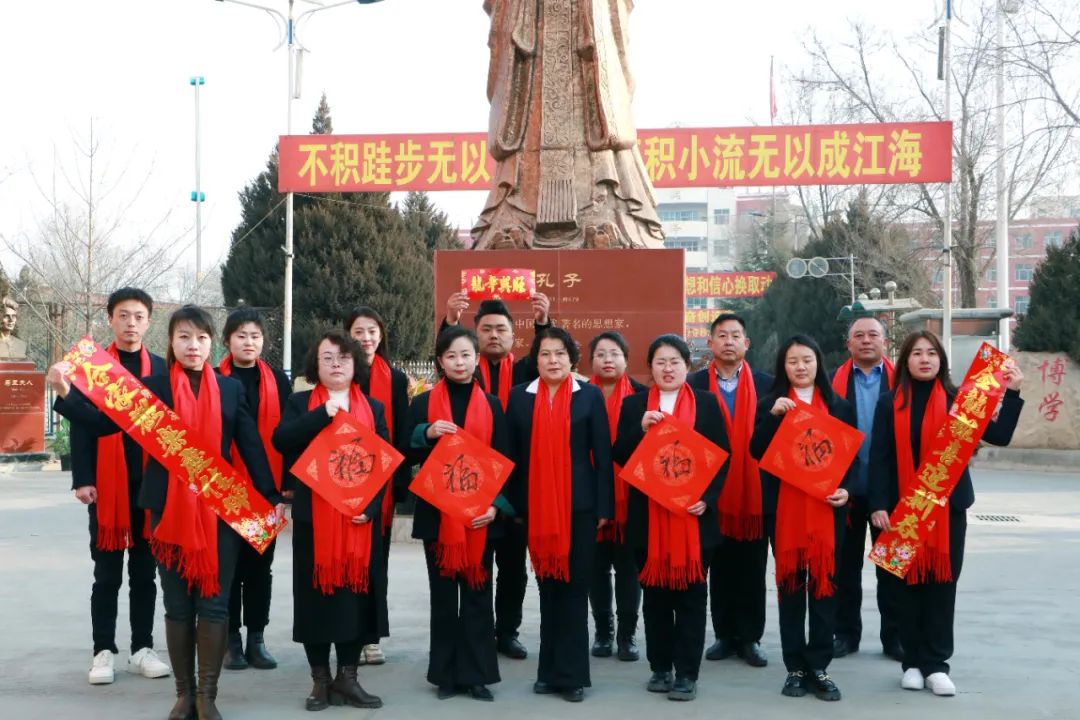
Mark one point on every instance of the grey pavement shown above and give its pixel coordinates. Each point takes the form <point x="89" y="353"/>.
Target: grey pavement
<point x="1017" y="641"/>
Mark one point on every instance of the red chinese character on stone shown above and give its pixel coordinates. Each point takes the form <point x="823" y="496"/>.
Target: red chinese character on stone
<point x="1051" y="406"/>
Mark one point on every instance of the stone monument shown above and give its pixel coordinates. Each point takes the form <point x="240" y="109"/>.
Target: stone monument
<point x="568" y="170"/>
<point x="22" y="392"/>
<point x="11" y="347"/>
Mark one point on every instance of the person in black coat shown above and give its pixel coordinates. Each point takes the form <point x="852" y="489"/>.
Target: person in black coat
<point x="737" y="566"/>
<point x="609" y="354"/>
<point x="462" y="655"/>
<point x="674" y="607"/>
<point x="498" y="371"/>
<point x="926" y="600"/>
<point x="574" y="433"/>
<point x="129" y="311"/>
<point x="348" y="613"/>
<point x="806" y="553"/>
<point x="390" y="386"/>
<point x="244" y="333"/>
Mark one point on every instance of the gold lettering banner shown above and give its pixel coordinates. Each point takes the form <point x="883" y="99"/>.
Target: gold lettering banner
<point x="164" y="435"/>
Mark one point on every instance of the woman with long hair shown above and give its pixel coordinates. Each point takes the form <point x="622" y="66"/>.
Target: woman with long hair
<point x="390" y="387"/>
<point x="196" y="551"/>
<point x="462" y="656"/>
<point x="561" y="444"/>
<point x="905" y="423"/>
<point x="339" y="573"/>
<point x="672" y="549"/>
<point x="805" y="532"/>
<point x="610" y="356"/>
<point x="267" y="390"/>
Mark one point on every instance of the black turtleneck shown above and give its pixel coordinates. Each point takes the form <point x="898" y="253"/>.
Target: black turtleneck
<point x="132" y="362"/>
<point x="920" y="396"/>
<point x="195" y="379"/>
<point x="250" y="377"/>
<point x="459" y="393"/>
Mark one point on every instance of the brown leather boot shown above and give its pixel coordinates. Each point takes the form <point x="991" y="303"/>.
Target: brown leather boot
<point x="180" y="639"/>
<point x="212" y="638"/>
<point x="320" y="689"/>
<point x="346" y="691"/>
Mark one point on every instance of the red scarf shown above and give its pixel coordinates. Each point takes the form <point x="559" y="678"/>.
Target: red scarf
<point x="113" y="501"/>
<point x="932" y="562"/>
<point x="616" y="529"/>
<point x="186" y="538"/>
<point x="342" y="548"/>
<point x="381" y="388"/>
<point x="460" y="549"/>
<point x="550" y="478"/>
<point x="268" y="419"/>
<point x="843" y="374"/>
<point x="740" y="512"/>
<point x="506" y="377"/>
<point x="674" y="554"/>
<point x="805" y="534"/>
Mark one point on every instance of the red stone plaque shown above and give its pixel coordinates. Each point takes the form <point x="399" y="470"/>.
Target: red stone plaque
<point x="22" y="409"/>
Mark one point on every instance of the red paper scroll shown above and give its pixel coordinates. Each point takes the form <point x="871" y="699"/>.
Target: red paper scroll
<point x="462" y="476"/>
<point x="947" y="456"/>
<point x="812" y="450"/>
<point x="178" y="447"/>
<point x="498" y="283"/>
<point x="347" y="464"/>
<point x="673" y="464"/>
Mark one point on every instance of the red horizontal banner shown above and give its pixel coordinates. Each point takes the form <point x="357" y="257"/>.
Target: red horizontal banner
<point x="498" y="283"/>
<point x="728" y="285"/>
<point x="872" y="153"/>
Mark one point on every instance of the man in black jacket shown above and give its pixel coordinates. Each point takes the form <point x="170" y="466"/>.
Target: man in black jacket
<point x="107" y="476"/>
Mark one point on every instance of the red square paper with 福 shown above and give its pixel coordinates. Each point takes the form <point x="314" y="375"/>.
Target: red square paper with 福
<point x="461" y="476"/>
<point x="673" y="464"/>
<point x="812" y="450"/>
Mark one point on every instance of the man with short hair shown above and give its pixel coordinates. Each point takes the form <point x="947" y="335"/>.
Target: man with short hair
<point x="106" y="476"/>
<point x="498" y="371"/>
<point x="737" y="567"/>
<point x="862" y="379"/>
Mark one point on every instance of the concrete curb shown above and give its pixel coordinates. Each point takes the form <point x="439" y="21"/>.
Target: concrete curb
<point x="1032" y="459"/>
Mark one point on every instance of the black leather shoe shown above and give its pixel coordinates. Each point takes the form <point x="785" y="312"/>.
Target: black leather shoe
<point x="446" y="691"/>
<point x="574" y="695"/>
<point x="542" y="688"/>
<point x="720" y="650"/>
<point x="234" y="653"/>
<point x="683" y="690"/>
<point x="481" y="692"/>
<point x="511" y="648"/>
<point x="660" y="682"/>
<point x="843" y="646"/>
<point x="894" y="650"/>
<point x="601" y="646"/>
<point x="823" y="685"/>
<point x="753" y="655"/>
<point x="795" y="684"/>
<point x="257" y="655"/>
<point x="628" y="651"/>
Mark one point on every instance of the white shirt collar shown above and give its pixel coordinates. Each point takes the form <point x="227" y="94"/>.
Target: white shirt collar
<point x="533" y="387"/>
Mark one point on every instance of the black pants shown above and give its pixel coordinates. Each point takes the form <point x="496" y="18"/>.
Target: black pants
<point x="184" y="604"/>
<point x="617" y="556"/>
<point x="462" y="643"/>
<point x="849" y="593"/>
<point x="109" y="576"/>
<point x="674" y="627"/>
<point x="564" y="613"/>
<point x="926" y="611"/>
<point x="737" y="589"/>
<point x="511" y="579"/>
<point x="251" y="589"/>
<point x="318" y="654"/>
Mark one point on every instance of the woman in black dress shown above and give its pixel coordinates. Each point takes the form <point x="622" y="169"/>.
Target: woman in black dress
<point x="462" y="655"/>
<point x="338" y="568"/>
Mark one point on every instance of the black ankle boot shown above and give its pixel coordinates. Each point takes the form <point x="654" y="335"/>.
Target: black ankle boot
<point x="605" y="629"/>
<point x="319" y="698"/>
<point x="234" y="653"/>
<point x="257" y="654"/>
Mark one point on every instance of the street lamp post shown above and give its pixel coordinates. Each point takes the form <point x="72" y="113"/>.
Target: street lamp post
<point x="198" y="196"/>
<point x="290" y="25"/>
<point x="946" y="239"/>
<point x="1001" y="230"/>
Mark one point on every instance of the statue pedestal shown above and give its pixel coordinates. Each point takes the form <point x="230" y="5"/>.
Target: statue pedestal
<point x="22" y="408"/>
<point x="639" y="293"/>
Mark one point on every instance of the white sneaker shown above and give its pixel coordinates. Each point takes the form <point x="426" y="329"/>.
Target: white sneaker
<point x="102" y="672"/>
<point x="940" y="684"/>
<point x="913" y="679"/>
<point x="145" y="662"/>
<point x="373" y="655"/>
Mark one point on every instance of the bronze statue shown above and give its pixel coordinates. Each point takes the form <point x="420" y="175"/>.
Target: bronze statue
<point x="568" y="171"/>
<point x="11" y="347"/>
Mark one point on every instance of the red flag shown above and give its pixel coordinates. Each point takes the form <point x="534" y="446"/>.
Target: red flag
<point x="812" y="450"/>
<point x="461" y="476"/>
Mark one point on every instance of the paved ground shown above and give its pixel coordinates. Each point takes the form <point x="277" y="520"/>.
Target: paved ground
<point x="1018" y="633"/>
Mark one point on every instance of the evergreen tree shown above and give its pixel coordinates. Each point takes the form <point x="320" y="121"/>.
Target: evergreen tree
<point x="5" y="285"/>
<point x="1052" y="323"/>
<point x="427" y="223"/>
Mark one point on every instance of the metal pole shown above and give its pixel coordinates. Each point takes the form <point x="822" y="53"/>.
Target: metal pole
<point x="1001" y="231"/>
<point x="946" y="240"/>
<point x="286" y="351"/>
<point x="851" y="261"/>
<point x="197" y="196"/>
